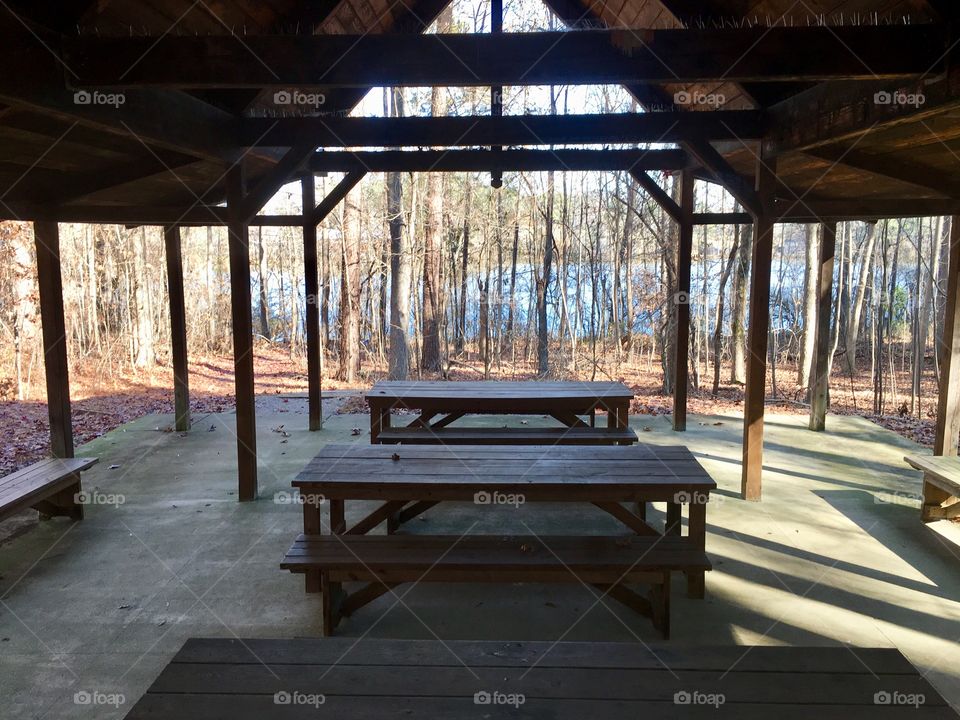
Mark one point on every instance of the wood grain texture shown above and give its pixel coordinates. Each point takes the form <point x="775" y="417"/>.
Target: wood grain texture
<point x="377" y="678"/>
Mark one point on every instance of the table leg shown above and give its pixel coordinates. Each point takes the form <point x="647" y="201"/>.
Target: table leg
<point x="312" y="525"/>
<point x="673" y="524"/>
<point x="618" y="417"/>
<point x="333" y="591"/>
<point x="697" y="533"/>
<point x="379" y="421"/>
<point x="933" y="499"/>
<point x="338" y="523"/>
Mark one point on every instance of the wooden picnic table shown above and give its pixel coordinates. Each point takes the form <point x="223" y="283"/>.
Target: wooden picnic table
<point x="441" y="403"/>
<point x="410" y="480"/>
<point x="360" y="679"/>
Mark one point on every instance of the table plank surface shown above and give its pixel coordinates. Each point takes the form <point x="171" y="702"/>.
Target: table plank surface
<point x="372" y="678"/>
<point x="944" y="469"/>
<point x="532" y="390"/>
<point x="382" y="470"/>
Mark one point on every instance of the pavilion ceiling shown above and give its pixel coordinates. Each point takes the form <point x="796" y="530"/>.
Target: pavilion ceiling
<point x="170" y="146"/>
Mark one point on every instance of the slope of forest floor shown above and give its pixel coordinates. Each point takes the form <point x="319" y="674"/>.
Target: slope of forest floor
<point x="105" y="398"/>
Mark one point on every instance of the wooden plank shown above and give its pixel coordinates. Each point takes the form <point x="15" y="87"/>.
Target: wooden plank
<point x="335" y="197"/>
<point x="845" y="111"/>
<point x="718" y="166"/>
<point x="681" y="305"/>
<point x="311" y="275"/>
<point x="381" y="514"/>
<point x="948" y="409"/>
<point x="427" y="391"/>
<point x="170" y="119"/>
<point x="817" y="210"/>
<point x="270" y="183"/>
<point x="522" y="130"/>
<point x="659" y="195"/>
<point x="48" y="486"/>
<point x="820" y="387"/>
<point x="632" y="521"/>
<point x="640" y="452"/>
<point x="200" y="706"/>
<point x="558" y="684"/>
<point x="935" y="181"/>
<point x="178" y="329"/>
<point x="242" y="315"/>
<point x="722" y="219"/>
<point x="478" y="558"/>
<point x="541" y="58"/>
<point x="544" y="467"/>
<point x="941" y="469"/>
<point x="56" y="369"/>
<point x="507" y="436"/>
<point x="753" y="405"/>
<point x="367" y="651"/>
<point x="558" y="160"/>
<point x="41" y="472"/>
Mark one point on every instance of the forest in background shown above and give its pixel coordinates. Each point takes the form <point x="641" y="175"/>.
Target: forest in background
<point x="568" y="276"/>
<point x="564" y="275"/>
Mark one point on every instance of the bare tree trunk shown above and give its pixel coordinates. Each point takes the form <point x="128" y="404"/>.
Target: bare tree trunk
<point x="721" y="294"/>
<point x="856" y="309"/>
<point x="543" y="286"/>
<point x="811" y="272"/>
<point x="399" y="269"/>
<point x="143" y="302"/>
<point x="513" y="276"/>
<point x="461" y="336"/>
<point x="738" y="308"/>
<point x="350" y="292"/>
<point x="26" y="294"/>
<point x="262" y="282"/>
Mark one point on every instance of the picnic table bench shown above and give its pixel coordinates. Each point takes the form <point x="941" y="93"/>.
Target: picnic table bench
<point x="50" y="486"/>
<point x="941" y="486"/>
<point x="440" y="404"/>
<point x="410" y="480"/>
<point x="358" y="679"/>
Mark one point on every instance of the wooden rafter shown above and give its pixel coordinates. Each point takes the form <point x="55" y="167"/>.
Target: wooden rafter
<point x="462" y="59"/>
<point x="499" y="160"/>
<point x="634" y="128"/>
<point x="894" y="168"/>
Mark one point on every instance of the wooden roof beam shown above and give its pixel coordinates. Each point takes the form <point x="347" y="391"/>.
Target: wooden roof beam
<point x="814" y="210"/>
<point x="497" y="160"/>
<point x="579" y="57"/>
<point x="946" y="185"/>
<point x="837" y="112"/>
<point x="162" y="118"/>
<point x="632" y="128"/>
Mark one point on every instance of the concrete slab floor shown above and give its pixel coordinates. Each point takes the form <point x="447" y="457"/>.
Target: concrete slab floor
<point x="834" y="554"/>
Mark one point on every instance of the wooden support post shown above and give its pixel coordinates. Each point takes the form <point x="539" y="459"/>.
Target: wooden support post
<point x="753" y="404"/>
<point x="47" y="240"/>
<point x="948" y="410"/>
<point x="242" y="313"/>
<point x="311" y="274"/>
<point x="820" y="387"/>
<point x="178" y="329"/>
<point x="681" y="302"/>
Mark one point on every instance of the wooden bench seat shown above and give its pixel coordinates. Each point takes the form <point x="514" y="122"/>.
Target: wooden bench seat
<point x="49" y="486"/>
<point x="941" y="486"/>
<point x="608" y="563"/>
<point x="508" y="436"/>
